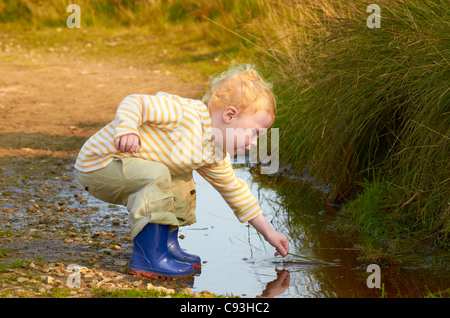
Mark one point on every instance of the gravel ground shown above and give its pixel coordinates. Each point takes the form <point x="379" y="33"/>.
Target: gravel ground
<point x="55" y="241"/>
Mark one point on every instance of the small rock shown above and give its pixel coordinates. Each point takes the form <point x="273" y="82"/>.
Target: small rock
<point x="120" y="263"/>
<point x="45" y="269"/>
<point x="22" y="279"/>
<point x="116" y="221"/>
<point x="107" y="251"/>
<point x="109" y="286"/>
<point x="44" y="288"/>
<point x="161" y="289"/>
<point x="187" y="291"/>
<point x="48" y="279"/>
<point x="138" y="283"/>
<point x="106" y="234"/>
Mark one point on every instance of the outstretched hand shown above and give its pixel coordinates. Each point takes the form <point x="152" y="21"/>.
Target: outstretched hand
<point x="276" y="239"/>
<point x="279" y="241"/>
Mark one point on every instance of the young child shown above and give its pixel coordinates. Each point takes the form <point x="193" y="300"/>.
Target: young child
<point x="144" y="160"/>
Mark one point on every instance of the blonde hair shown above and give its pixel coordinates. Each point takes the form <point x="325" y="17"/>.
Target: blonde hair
<point x="242" y="87"/>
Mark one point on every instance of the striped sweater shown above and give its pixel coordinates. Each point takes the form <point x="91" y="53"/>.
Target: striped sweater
<point x="175" y="131"/>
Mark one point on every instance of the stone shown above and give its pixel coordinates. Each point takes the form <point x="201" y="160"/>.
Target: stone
<point x="187" y="291"/>
<point x="120" y="263"/>
<point x="48" y="279"/>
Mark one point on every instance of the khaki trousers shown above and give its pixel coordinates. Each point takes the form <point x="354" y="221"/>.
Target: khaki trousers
<point x="148" y="190"/>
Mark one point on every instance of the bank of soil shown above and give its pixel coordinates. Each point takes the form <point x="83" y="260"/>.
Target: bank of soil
<point x="50" y="103"/>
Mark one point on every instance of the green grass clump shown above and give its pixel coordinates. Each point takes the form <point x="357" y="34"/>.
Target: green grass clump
<point x="356" y="102"/>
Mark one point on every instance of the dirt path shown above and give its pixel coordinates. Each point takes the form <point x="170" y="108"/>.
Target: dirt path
<point x="59" y="94"/>
<point x="50" y="102"/>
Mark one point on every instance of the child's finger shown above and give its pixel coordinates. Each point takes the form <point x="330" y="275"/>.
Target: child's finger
<point x="282" y="249"/>
<point x="134" y="144"/>
<point x="117" y="143"/>
<point x="124" y="143"/>
<point x="286" y="246"/>
<point x="135" y="147"/>
<point x="130" y="143"/>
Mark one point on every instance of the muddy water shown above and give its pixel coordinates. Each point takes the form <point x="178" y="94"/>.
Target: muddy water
<point x="43" y="197"/>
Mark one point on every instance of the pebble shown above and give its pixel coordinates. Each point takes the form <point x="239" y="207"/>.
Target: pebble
<point x="120" y="263"/>
<point x="48" y="279"/>
<point x="187" y="291"/>
<point x="137" y="283"/>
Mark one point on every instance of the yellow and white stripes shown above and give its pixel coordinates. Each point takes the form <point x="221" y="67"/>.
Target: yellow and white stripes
<point x="176" y="132"/>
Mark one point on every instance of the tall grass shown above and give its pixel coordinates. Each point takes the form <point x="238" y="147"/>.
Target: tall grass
<point x="114" y="13"/>
<point x="356" y="102"/>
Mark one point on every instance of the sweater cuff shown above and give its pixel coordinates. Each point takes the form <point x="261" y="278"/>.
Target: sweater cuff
<point x="248" y="215"/>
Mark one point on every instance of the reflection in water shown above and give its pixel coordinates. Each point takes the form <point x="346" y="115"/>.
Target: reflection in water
<point x="279" y="285"/>
<point x="237" y="261"/>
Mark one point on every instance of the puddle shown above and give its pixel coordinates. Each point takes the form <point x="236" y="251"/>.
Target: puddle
<point x="236" y="259"/>
<point x="240" y="262"/>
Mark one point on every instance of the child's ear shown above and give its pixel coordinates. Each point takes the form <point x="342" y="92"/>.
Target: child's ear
<point x="229" y="113"/>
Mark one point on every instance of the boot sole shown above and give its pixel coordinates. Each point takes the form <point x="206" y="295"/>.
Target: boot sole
<point x="150" y="274"/>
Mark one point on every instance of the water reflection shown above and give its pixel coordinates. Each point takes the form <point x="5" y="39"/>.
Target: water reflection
<point x="279" y="285"/>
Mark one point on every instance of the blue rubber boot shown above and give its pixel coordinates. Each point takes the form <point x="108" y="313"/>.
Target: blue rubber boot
<point x="180" y="255"/>
<point x="151" y="257"/>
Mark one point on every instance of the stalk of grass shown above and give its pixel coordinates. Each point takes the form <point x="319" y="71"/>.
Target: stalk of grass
<point x="311" y="259"/>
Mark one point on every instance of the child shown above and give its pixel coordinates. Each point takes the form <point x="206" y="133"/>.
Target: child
<point x="144" y="160"/>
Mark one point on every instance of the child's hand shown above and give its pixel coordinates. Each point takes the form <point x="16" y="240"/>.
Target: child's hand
<point x="128" y="143"/>
<point x="279" y="241"/>
<point x="276" y="239"/>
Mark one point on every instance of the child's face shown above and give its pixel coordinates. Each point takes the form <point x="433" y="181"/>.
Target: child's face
<point x="239" y="133"/>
